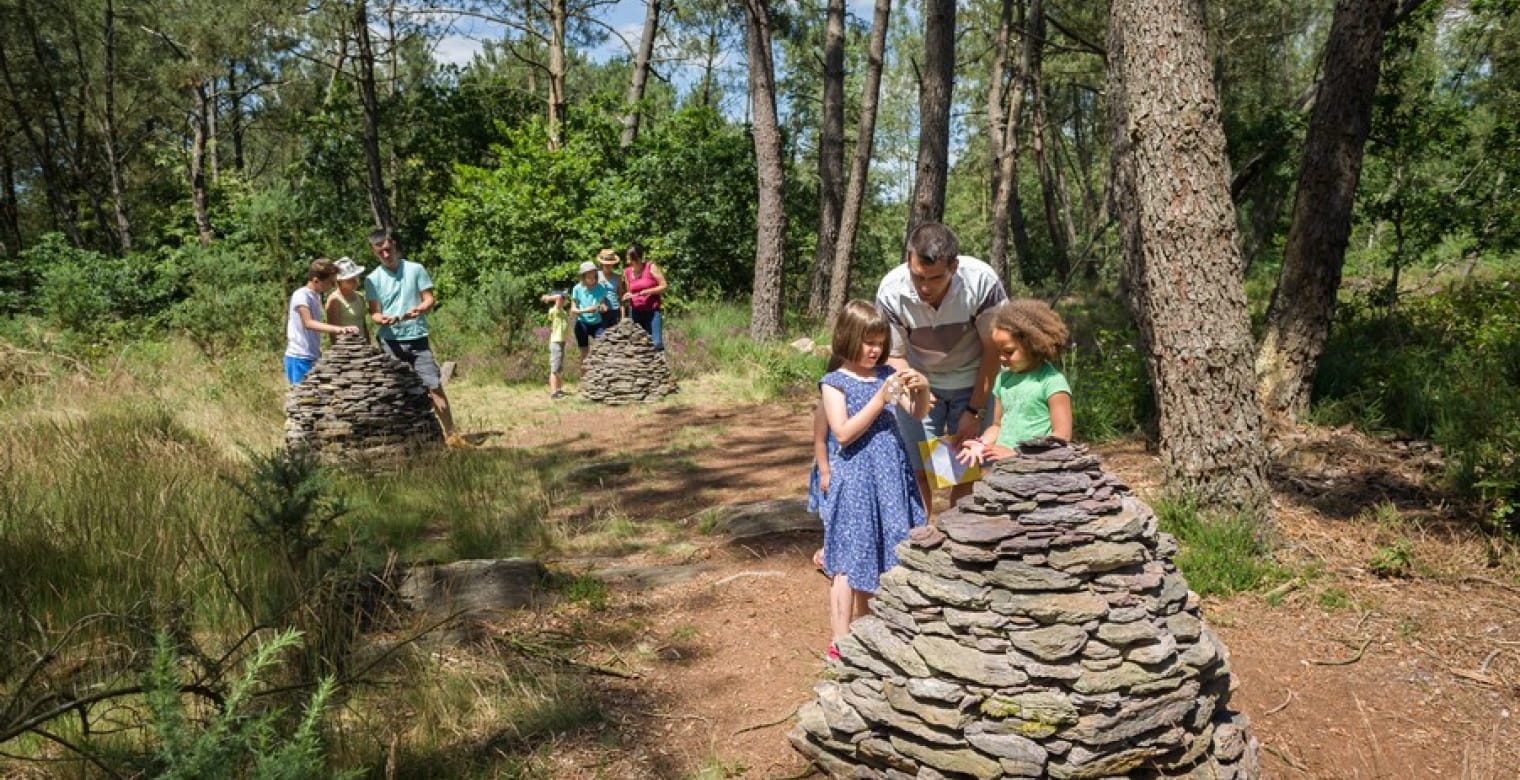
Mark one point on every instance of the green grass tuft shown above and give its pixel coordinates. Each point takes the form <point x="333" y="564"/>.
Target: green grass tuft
<point x="1220" y="554"/>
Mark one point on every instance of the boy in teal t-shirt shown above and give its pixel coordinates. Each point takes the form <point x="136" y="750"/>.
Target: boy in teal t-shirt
<point x="1031" y="399"/>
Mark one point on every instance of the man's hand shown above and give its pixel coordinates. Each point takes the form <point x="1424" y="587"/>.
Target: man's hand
<point x="970" y="425"/>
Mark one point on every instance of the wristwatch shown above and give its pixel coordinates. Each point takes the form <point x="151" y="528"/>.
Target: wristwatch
<point x="975" y="412"/>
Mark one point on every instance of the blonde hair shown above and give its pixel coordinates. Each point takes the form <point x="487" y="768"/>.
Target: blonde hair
<point x="859" y="321"/>
<point x="1037" y="327"/>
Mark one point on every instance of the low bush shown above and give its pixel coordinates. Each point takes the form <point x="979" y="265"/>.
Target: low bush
<point x="1220" y="554"/>
<point x="1442" y="367"/>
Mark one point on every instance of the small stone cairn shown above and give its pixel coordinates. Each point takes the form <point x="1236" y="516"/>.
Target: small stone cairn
<point x="623" y="367"/>
<point x="360" y="404"/>
<point x="1040" y="630"/>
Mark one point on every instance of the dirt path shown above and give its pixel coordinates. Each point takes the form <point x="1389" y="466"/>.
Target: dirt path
<point x="1349" y="676"/>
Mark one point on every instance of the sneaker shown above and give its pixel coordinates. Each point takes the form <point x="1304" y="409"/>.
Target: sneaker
<point x="458" y="442"/>
<point x="557" y="394"/>
<point x="833" y="652"/>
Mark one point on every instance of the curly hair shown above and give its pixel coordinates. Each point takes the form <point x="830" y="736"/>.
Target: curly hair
<point x="1035" y="325"/>
<point x="858" y="322"/>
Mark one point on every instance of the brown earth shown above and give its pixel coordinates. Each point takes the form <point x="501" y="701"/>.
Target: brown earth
<point x="1344" y="674"/>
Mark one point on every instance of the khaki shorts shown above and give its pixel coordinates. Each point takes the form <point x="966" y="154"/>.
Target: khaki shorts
<point x="556" y="356"/>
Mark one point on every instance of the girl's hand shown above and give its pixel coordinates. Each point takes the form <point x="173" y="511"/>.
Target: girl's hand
<point x="823" y="481"/>
<point x="996" y="453"/>
<point x="350" y="330"/>
<point x="972" y="453"/>
<point x="912" y="379"/>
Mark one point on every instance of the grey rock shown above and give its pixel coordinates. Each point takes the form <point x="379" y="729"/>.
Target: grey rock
<point x="1014" y="575"/>
<point x="1099" y="557"/>
<point x="1051" y="643"/>
<point x="475" y="586"/>
<point x="952" y="658"/>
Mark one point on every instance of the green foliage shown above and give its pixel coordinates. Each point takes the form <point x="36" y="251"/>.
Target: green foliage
<point x="229" y="302"/>
<point x="1111" y="395"/>
<point x="1442" y="367"/>
<point x="1392" y="560"/>
<point x="240" y="738"/>
<point x="90" y="293"/>
<point x="1220" y="554"/>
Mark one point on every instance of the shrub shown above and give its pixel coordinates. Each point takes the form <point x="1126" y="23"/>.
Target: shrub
<point x="1442" y="367"/>
<point x="230" y="299"/>
<point x="1220" y="554"/>
<point x="90" y="293"/>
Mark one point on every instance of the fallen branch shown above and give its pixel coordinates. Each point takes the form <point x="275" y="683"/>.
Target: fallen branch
<point x="1360" y="651"/>
<point x="1281" y="707"/>
<point x="741" y="575"/>
<point x="1282" y="755"/>
<point x="769" y="723"/>
<point x="1284" y="589"/>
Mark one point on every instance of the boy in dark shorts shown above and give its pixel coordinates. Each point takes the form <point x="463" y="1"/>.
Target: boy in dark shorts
<point x="400" y="294"/>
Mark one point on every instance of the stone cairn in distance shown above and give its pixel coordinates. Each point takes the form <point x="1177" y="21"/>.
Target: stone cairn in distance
<point x="360" y="404"/>
<point x="1040" y="630"/>
<point x="623" y="367"/>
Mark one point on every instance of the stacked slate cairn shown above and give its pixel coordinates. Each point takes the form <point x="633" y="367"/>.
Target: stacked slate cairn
<point x="360" y="404"/>
<point x="1039" y="630"/>
<point x="623" y="367"/>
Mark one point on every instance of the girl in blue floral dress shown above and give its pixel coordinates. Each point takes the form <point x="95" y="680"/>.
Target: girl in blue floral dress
<point x="872" y="497"/>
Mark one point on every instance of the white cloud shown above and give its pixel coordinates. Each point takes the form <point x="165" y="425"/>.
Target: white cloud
<point x="456" y="49"/>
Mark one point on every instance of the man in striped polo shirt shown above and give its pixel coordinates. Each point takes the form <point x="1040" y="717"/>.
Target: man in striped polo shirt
<point x="940" y="304"/>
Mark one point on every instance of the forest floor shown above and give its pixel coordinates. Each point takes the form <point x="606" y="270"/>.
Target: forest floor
<point x="1343" y="674"/>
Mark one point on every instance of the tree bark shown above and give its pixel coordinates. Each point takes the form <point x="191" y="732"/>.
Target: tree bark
<point x="1059" y="243"/>
<point x="10" y="218"/>
<point x="379" y="203"/>
<point x="199" y="198"/>
<point x="1303" y="305"/>
<point x="112" y="135"/>
<point x="640" y="75"/>
<point x="860" y="164"/>
<point x="557" y="16"/>
<point x="830" y="160"/>
<point x="235" y="117"/>
<point x="1182" y="264"/>
<point x="1007" y="211"/>
<point x="997" y="88"/>
<point x="770" y="212"/>
<point x="934" y="95"/>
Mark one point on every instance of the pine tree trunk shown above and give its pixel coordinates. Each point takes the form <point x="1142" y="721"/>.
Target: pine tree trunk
<point x="379" y="203"/>
<point x="860" y="165"/>
<point x="830" y="160"/>
<point x="235" y="117"/>
<point x="42" y="150"/>
<point x="640" y="74"/>
<point x="199" y="198"/>
<point x="770" y="212"/>
<point x="1060" y="247"/>
<point x="557" y="16"/>
<point x="1183" y="268"/>
<point x="1007" y="211"/>
<point x="112" y="137"/>
<point x="997" y="88"/>
<point x="10" y="218"/>
<point x="1303" y="305"/>
<point x="934" y="95"/>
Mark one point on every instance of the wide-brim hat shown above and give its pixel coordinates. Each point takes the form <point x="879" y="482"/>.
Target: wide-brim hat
<point x="607" y="257"/>
<point x="587" y="267"/>
<point x="348" y="269"/>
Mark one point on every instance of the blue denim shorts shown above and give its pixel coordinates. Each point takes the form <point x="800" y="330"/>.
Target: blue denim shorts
<point x="943" y="419"/>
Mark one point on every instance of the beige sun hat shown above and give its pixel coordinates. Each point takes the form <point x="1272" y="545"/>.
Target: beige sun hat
<point x="607" y="257"/>
<point x="587" y="267"/>
<point x="348" y="269"/>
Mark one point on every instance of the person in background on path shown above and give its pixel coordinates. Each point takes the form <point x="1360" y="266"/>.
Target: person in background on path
<point x="871" y="501"/>
<point x="346" y="306"/>
<point x="940" y="306"/>
<point x="400" y="295"/>
<point x="559" y="323"/>
<point x="646" y="287"/>
<point x="303" y="321"/>
<point x="588" y="302"/>
<point x="607" y="272"/>
<point x="1031" y="399"/>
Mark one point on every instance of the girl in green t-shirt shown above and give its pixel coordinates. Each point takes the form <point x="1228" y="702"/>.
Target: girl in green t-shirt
<point x="1031" y="399"/>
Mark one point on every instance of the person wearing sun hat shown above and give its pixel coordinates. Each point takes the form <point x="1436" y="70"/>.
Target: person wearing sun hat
<point x="346" y="306"/>
<point x="609" y="262"/>
<point x="588" y="302"/>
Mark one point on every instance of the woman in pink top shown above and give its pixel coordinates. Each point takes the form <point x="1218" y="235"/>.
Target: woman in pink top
<point x="646" y="284"/>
